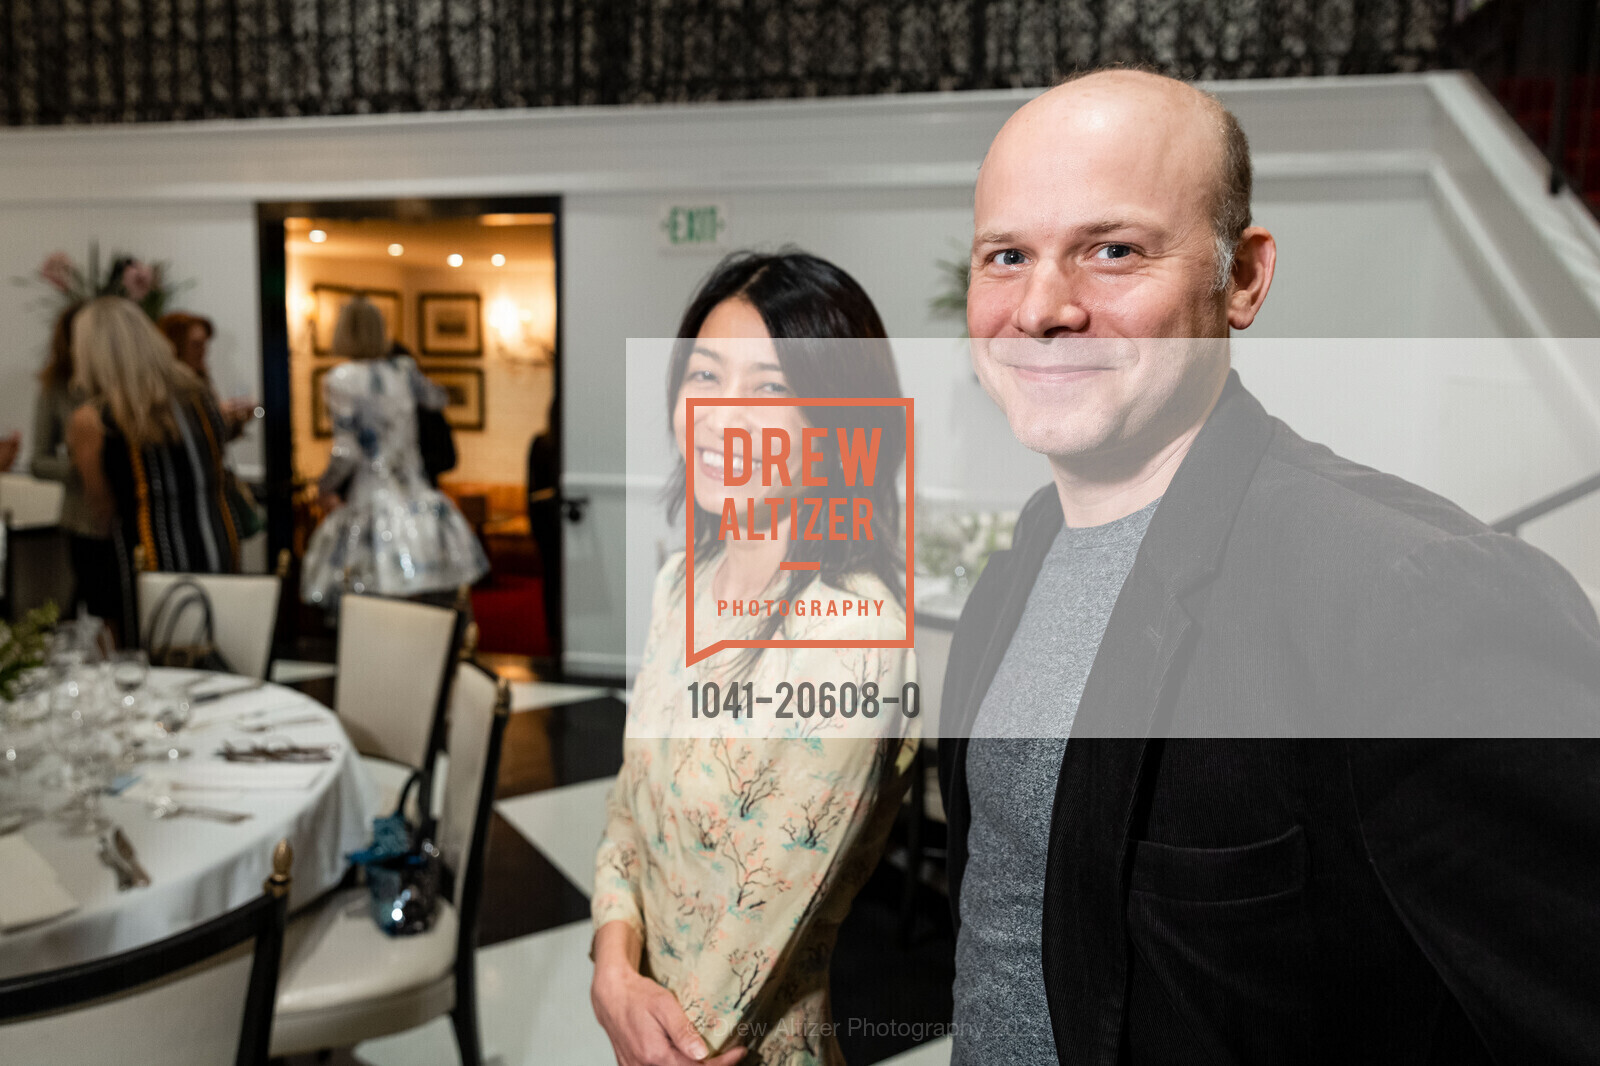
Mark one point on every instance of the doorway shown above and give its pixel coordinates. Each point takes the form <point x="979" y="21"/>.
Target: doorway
<point x="471" y="288"/>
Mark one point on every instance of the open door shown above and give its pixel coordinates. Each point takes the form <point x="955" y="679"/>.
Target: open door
<point x="471" y="289"/>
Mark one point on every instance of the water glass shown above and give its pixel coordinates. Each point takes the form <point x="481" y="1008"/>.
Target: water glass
<point x="82" y="641"/>
<point x="82" y="728"/>
<point x="169" y="713"/>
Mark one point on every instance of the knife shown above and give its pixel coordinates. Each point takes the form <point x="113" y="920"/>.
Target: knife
<point x="109" y="857"/>
<point x="125" y="849"/>
<point x="208" y="697"/>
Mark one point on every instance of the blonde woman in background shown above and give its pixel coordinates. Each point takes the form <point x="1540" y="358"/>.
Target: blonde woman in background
<point x="388" y="531"/>
<point x="148" y="445"/>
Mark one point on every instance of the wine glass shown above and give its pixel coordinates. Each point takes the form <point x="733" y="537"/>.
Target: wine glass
<point x="18" y="720"/>
<point x="130" y="669"/>
<point x="13" y="757"/>
<point x="82" y="727"/>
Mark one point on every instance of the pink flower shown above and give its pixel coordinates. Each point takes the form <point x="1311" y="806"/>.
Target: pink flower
<point x="57" y="270"/>
<point x="137" y="280"/>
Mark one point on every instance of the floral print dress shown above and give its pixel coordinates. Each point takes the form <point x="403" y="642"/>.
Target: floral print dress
<point x="396" y="535"/>
<point x="735" y="853"/>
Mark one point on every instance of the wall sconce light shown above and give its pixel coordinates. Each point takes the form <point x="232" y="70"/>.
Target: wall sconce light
<point x="455" y="259"/>
<point x="506" y="320"/>
<point x="317" y="236"/>
<point x="516" y="332"/>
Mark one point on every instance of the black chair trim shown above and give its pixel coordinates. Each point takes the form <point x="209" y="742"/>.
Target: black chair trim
<point x="472" y="882"/>
<point x="436" y="736"/>
<point x="262" y="919"/>
<point x="465" y="1015"/>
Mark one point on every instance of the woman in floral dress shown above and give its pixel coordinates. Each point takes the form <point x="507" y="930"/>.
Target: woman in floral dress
<point x="387" y="531"/>
<point x="734" y="845"/>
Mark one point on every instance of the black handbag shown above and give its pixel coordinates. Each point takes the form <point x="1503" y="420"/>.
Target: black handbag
<point x="201" y="652"/>
<point x="436" y="442"/>
<point x="403" y="870"/>
<point x="242" y="507"/>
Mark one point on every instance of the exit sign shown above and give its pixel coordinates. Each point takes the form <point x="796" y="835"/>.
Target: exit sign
<point x="693" y="225"/>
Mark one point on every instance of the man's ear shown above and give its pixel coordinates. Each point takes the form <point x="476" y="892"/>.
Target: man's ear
<point x="1253" y="264"/>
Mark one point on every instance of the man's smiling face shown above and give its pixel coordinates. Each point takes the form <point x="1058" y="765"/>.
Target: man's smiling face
<point x="1093" y="223"/>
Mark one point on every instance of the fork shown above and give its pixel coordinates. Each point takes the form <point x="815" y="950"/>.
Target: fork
<point x="267" y="727"/>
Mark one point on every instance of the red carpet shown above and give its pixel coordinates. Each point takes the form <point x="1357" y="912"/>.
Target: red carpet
<point x="510" y="616"/>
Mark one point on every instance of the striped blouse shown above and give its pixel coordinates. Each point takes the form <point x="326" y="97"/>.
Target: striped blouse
<point x="171" y="497"/>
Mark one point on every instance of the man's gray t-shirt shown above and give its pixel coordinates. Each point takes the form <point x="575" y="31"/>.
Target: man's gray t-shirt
<point x="1013" y="761"/>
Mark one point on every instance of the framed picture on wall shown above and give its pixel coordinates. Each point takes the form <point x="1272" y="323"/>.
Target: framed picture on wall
<point x="464" y="386"/>
<point x="330" y="300"/>
<point x="451" y="323"/>
<point x="321" y="423"/>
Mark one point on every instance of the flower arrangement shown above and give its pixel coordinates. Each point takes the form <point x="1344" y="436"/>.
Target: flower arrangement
<point x="22" y="647"/>
<point x="958" y="544"/>
<point x="142" y="282"/>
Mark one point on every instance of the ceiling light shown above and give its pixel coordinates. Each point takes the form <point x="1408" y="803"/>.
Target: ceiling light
<point x="455" y="259"/>
<point x="517" y="219"/>
<point x="397" y="249"/>
<point x="318" y="236"/>
<point x="497" y="259"/>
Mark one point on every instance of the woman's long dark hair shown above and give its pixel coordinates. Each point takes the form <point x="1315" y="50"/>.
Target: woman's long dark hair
<point x="57" y="372"/>
<point x="807" y="302"/>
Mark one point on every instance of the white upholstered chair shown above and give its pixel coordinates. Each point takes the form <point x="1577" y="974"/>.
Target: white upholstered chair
<point x="202" y="997"/>
<point x="30" y="502"/>
<point x="395" y="658"/>
<point x="344" y="980"/>
<point x="244" y="615"/>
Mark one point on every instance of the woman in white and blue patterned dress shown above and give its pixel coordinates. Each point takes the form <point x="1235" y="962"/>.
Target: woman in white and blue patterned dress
<point x="389" y="532"/>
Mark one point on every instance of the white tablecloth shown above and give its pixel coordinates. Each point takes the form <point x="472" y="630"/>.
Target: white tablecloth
<point x="201" y="869"/>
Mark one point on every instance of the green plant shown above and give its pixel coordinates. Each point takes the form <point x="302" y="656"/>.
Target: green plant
<point x="22" y="646"/>
<point x="951" y="300"/>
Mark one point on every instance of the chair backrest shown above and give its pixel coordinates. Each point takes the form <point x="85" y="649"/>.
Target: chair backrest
<point x="480" y="705"/>
<point x="244" y="610"/>
<point x="30" y="501"/>
<point x="394" y="662"/>
<point x="202" y="997"/>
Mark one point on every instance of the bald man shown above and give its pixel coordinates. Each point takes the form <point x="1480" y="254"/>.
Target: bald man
<point x="1140" y="892"/>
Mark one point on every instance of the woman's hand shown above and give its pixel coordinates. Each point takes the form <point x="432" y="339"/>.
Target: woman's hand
<point x="646" y="1025"/>
<point x="236" y="414"/>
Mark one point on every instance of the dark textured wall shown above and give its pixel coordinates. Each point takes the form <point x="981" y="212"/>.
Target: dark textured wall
<point x="140" y="60"/>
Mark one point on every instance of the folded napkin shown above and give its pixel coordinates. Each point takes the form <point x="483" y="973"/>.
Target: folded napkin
<point x="242" y="777"/>
<point x="30" y="891"/>
<point x="244" y="708"/>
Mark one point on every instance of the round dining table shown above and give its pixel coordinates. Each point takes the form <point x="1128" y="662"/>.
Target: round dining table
<point x="200" y="867"/>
